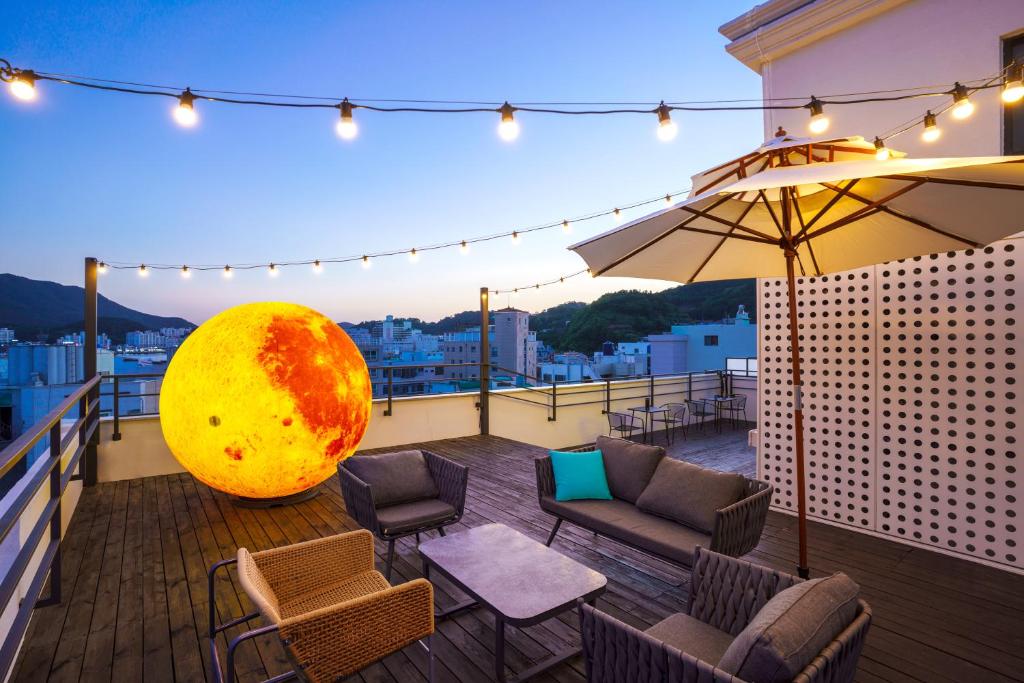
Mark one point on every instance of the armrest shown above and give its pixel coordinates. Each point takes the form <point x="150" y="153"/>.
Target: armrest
<point x="614" y="651"/>
<point x="545" y="477"/>
<point x="333" y="642"/>
<point x="358" y="497"/>
<point x="726" y="592"/>
<point x="304" y="568"/>
<point x="838" y="660"/>
<point x="738" y="527"/>
<point x="450" y="478"/>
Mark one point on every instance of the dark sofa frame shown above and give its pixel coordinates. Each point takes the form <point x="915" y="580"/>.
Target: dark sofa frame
<point x="737" y="527"/>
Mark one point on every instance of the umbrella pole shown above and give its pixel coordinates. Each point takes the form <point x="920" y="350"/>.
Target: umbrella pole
<point x="798" y="416"/>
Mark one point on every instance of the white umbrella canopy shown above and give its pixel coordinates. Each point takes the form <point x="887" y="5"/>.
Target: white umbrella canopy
<point x="810" y="207"/>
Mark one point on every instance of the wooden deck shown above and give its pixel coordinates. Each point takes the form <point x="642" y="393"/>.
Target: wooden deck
<point x="135" y="597"/>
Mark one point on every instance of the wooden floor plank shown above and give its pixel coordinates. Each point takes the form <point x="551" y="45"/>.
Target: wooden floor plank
<point x="135" y="594"/>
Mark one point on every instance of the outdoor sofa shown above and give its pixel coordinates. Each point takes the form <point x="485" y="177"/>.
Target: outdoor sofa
<point x="741" y="624"/>
<point x="663" y="506"/>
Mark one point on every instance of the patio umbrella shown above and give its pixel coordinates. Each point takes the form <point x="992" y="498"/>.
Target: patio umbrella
<point x="815" y="207"/>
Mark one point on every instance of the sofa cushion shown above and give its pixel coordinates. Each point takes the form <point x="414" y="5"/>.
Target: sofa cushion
<point x="394" y="478"/>
<point x="692" y="636"/>
<point x="690" y="494"/>
<point x="579" y="476"/>
<point x="395" y="519"/>
<point x="792" y="629"/>
<point x="628" y="466"/>
<point x="619" y="520"/>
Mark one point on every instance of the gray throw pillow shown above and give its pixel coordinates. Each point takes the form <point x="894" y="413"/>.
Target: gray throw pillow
<point x="394" y="478"/>
<point x="628" y="466"/>
<point x="690" y="494"/>
<point x="792" y="629"/>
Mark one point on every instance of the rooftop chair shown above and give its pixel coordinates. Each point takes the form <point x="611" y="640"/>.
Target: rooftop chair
<point x="743" y="622"/>
<point x="736" y="408"/>
<point x="624" y="424"/>
<point x="394" y="495"/>
<point x="700" y="411"/>
<point x="673" y="418"/>
<point x="335" y="614"/>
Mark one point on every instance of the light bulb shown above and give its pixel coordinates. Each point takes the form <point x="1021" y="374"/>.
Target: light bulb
<point x="346" y="126"/>
<point x="101" y="268"/>
<point x="508" y="129"/>
<point x="963" y="107"/>
<point x="668" y="200"/>
<point x="932" y="132"/>
<point x="515" y="238"/>
<point x="317" y="268"/>
<point x="666" y="126"/>
<point x="819" y="122"/>
<point x="1013" y="91"/>
<point x="185" y="112"/>
<point x="366" y="262"/>
<point x="227" y="273"/>
<point x="142" y="271"/>
<point x="618" y="215"/>
<point x="23" y="85"/>
<point x="463" y="248"/>
<point x="881" y="151"/>
<point x="413" y="256"/>
<point x="272" y="270"/>
<point x="566" y="227"/>
<point x="185" y="272"/>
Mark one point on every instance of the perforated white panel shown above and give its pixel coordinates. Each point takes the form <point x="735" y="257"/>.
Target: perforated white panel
<point x="911" y="399"/>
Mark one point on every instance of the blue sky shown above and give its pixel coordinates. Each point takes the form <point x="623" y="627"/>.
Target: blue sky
<point x="90" y="173"/>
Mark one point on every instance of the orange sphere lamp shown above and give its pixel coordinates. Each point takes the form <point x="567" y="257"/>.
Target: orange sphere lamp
<point x="263" y="400"/>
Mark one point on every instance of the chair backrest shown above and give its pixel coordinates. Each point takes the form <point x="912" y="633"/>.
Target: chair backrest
<point x="256" y="586"/>
<point x="621" y="420"/>
<point x="698" y="407"/>
<point x="676" y="410"/>
<point x="739" y="402"/>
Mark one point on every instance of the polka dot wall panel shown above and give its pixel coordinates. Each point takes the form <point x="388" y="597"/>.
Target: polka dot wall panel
<point x="912" y="399"/>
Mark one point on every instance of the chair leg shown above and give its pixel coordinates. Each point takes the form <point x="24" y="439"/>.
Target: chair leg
<point x="440" y="530"/>
<point x="417" y="539"/>
<point x="391" y="557"/>
<point x="554" y="530"/>
<point x="430" y="658"/>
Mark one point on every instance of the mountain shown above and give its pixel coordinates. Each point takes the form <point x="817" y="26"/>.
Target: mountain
<point x="41" y="310"/>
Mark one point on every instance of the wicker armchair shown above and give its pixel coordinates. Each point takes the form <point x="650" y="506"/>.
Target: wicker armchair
<point x="335" y="614"/>
<point x="725" y="594"/>
<point x="441" y="504"/>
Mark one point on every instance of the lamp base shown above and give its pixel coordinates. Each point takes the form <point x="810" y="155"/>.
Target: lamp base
<point x="279" y="501"/>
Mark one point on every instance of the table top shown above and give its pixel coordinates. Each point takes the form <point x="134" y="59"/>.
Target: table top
<point x="511" y="573"/>
<point x="720" y="399"/>
<point x="652" y="409"/>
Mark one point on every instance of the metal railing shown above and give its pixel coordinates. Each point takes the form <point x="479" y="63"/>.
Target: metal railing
<point x="85" y="398"/>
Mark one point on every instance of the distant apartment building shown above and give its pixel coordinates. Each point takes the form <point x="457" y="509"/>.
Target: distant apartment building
<point x="402" y="359"/>
<point x="164" y="338"/>
<point x="625" y="359"/>
<point x="6" y="336"/>
<point x="102" y="339"/>
<point x="703" y="346"/>
<point x="516" y="345"/>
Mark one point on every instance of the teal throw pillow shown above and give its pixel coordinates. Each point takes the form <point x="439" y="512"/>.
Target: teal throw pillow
<point x="580" y="476"/>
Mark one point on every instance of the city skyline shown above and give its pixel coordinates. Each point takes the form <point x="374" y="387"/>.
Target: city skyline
<point x="255" y="186"/>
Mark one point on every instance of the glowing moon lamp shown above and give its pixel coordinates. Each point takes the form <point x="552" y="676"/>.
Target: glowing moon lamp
<point x="263" y="400"/>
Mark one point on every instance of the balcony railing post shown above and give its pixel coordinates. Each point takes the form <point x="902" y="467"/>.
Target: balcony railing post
<point x="650" y="393"/>
<point x="689" y="386"/>
<point x="485" y="362"/>
<point x="55" y="473"/>
<point x="116" y="436"/>
<point x="391" y="377"/>
<point x="607" y="396"/>
<point x="554" y="401"/>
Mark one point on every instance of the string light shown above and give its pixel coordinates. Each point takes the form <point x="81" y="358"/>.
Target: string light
<point x="819" y="122"/>
<point x="227" y="272"/>
<point x="413" y="256"/>
<point x="463" y="248"/>
<point x="932" y="132"/>
<point x="366" y="262"/>
<point x="142" y="271"/>
<point x="557" y="281"/>
<point x="346" y="126"/>
<point x="272" y="270"/>
<point x="185" y="112"/>
<point x="962" y="107"/>
<point x="1013" y="90"/>
<point x="566" y="227"/>
<point x="668" y="200"/>
<point x="101" y="268"/>
<point x="508" y="129"/>
<point x="317" y="268"/>
<point x="185" y="272"/>
<point x="881" y="151"/>
<point x="667" y="128"/>
<point x="23" y="85"/>
<point x="618" y="215"/>
<point x="515" y="238"/>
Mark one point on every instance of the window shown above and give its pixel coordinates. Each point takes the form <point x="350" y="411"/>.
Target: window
<point x="710" y="340"/>
<point x="1013" y="115"/>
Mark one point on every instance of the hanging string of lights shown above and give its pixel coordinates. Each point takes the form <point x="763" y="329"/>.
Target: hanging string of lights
<point x="538" y="285"/>
<point x="23" y="85"/>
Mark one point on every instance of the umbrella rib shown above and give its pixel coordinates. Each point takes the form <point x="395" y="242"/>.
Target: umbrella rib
<point x="720" y="243"/>
<point x="956" y="181"/>
<point x="869" y="210"/>
<point x="729" y="235"/>
<point x="910" y="219"/>
<point x="840" y="193"/>
<point x="803" y="228"/>
<point x="764" y="198"/>
<point x="743" y="164"/>
<point x="705" y="214"/>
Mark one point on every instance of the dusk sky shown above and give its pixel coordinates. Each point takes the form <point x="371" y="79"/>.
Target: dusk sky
<point x="100" y="174"/>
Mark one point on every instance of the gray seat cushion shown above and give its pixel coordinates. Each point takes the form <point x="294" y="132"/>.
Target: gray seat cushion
<point x="792" y="629"/>
<point x="394" y="478"/>
<point x="692" y="636"/>
<point x="394" y="519"/>
<point x="619" y="520"/>
<point x="628" y="466"/>
<point x="690" y="494"/>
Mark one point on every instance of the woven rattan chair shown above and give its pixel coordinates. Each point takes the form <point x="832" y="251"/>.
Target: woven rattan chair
<point x="395" y="495"/>
<point x="725" y="595"/>
<point x="335" y="614"/>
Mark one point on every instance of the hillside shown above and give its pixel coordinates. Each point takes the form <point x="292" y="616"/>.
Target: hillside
<point x="41" y="310"/>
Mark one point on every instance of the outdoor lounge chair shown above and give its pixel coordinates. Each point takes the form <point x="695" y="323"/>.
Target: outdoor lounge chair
<point x="335" y="614"/>
<point x="394" y="495"/>
<point x="734" y="631"/>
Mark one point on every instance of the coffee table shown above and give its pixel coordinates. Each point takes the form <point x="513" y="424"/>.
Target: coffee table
<point x="519" y="580"/>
